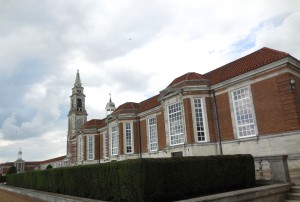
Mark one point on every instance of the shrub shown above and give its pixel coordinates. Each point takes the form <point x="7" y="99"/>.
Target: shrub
<point x="2" y="179"/>
<point x="49" y="166"/>
<point x="164" y="179"/>
<point x="12" y="170"/>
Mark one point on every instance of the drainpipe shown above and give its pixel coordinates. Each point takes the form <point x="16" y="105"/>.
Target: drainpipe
<point x="217" y="122"/>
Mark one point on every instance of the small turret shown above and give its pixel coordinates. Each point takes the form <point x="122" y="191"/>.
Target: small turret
<point x="20" y="154"/>
<point x="110" y="106"/>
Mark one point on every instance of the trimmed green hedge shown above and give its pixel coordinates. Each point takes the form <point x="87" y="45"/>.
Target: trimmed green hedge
<point x="2" y="178"/>
<point x="165" y="179"/>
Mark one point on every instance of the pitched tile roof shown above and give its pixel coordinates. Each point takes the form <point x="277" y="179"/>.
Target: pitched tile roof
<point x="245" y="64"/>
<point x="52" y="160"/>
<point x="187" y="77"/>
<point x="93" y="123"/>
<point x="126" y="107"/>
<point x="149" y="103"/>
<point x="238" y="67"/>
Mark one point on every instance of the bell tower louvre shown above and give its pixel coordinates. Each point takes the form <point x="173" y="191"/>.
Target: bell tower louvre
<point x="76" y="118"/>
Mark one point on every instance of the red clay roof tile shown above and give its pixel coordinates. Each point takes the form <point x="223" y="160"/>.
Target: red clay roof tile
<point x="93" y="123"/>
<point x="126" y="107"/>
<point x="149" y="103"/>
<point x="187" y="77"/>
<point x="245" y="64"/>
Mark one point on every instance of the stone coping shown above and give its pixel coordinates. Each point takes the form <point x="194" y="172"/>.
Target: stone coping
<point x="251" y="194"/>
<point x="45" y="196"/>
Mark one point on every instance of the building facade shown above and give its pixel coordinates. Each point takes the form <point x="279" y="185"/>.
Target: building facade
<point x="251" y="105"/>
<point x="248" y="106"/>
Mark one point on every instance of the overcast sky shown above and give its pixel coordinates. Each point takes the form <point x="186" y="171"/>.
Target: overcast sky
<point x="131" y="49"/>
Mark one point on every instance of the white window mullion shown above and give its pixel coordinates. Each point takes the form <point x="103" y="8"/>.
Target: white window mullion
<point x="80" y="148"/>
<point x="114" y="140"/>
<point x="152" y="133"/>
<point x="105" y="146"/>
<point x="200" y="120"/>
<point x="175" y="124"/>
<point x="90" y="147"/>
<point x="243" y="112"/>
<point x="128" y="138"/>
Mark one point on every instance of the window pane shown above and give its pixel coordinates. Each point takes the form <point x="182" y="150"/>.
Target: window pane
<point x="199" y="120"/>
<point x="105" y="146"/>
<point x="175" y="124"/>
<point x="128" y="138"/>
<point x="114" y="140"/>
<point x="152" y="131"/>
<point x="90" y="147"/>
<point x="243" y="112"/>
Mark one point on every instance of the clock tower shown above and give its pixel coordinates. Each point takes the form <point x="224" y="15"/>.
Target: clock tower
<point x="77" y="117"/>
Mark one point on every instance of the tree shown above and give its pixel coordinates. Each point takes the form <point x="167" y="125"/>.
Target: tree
<point x="12" y="170"/>
<point x="49" y="166"/>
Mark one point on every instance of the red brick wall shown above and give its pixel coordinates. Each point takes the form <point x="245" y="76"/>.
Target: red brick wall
<point x="96" y="147"/>
<point x="144" y="142"/>
<point x="161" y="133"/>
<point x="211" y="119"/>
<point x="267" y="106"/>
<point x="188" y="120"/>
<point x="276" y="106"/>
<point x="121" y="138"/>
<point x="224" y="117"/>
<point x="84" y="148"/>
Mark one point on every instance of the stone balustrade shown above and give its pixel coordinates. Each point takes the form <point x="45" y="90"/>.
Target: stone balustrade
<point x="272" y="168"/>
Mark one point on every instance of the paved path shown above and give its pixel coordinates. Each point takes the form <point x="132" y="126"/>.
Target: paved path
<point x="7" y="196"/>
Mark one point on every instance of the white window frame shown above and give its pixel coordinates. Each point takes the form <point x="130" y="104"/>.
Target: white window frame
<point x="245" y="123"/>
<point x="90" y="147"/>
<point x="176" y="131"/>
<point x="80" y="148"/>
<point x="200" y="118"/>
<point x="105" y="146"/>
<point x="152" y="134"/>
<point x="128" y="137"/>
<point x="114" y="140"/>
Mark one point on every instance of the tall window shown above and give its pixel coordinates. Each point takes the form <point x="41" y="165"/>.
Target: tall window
<point x="128" y="138"/>
<point x="105" y="146"/>
<point x="152" y="133"/>
<point x="114" y="140"/>
<point x="198" y="106"/>
<point x="90" y="148"/>
<point x="80" y="148"/>
<point x="175" y="124"/>
<point x="243" y="111"/>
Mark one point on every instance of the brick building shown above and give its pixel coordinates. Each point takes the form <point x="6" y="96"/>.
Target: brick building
<point x="258" y="110"/>
<point x="251" y="105"/>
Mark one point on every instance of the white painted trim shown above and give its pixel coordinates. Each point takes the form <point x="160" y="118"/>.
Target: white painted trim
<point x="148" y="134"/>
<point x="93" y="147"/>
<point x="204" y="116"/>
<point x="124" y="137"/>
<point x="233" y="111"/>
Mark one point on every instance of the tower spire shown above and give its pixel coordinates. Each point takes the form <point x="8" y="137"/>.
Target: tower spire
<point x="77" y="80"/>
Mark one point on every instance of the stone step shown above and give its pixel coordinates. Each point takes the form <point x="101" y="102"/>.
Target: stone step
<point x="295" y="189"/>
<point x="293" y="196"/>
